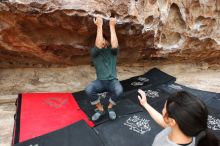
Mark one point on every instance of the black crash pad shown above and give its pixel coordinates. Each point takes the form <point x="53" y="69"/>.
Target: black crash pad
<point x="174" y="87"/>
<point x="153" y="94"/>
<point x="214" y="102"/>
<point x="151" y="78"/>
<point x="134" y="130"/>
<point x="214" y="120"/>
<point x="77" y="134"/>
<point x="123" y="107"/>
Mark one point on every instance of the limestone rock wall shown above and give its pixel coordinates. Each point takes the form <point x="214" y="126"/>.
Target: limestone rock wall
<point x="35" y="33"/>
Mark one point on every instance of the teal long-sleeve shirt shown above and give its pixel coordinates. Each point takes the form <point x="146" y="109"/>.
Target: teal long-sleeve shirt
<point x="105" y="60"/>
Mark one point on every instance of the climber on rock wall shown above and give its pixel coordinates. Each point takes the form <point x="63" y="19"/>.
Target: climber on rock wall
<point x="104" y="56"/>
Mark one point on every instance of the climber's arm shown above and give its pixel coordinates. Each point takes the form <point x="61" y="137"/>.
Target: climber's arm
<point x="99" y="36"/>
<point x="114" y="39"/>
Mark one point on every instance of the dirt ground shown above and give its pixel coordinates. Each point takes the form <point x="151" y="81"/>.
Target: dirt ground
<point x="71" y="79"/>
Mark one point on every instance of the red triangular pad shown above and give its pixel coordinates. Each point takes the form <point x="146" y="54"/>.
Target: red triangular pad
<point x="41" y="113"/>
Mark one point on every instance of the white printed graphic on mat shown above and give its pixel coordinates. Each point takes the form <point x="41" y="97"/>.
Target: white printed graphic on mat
<point x="34" y="145"/>
<point x="175" y="87"/>
<point x="151" y="93"/>
<point x="213" y="123"/>
<point x="137" y="83"/>
<point x="143" y="79"/>
<point x="138" y="124"/>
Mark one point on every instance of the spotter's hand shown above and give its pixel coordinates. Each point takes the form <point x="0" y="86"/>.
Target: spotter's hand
<point x="142" y="97"/>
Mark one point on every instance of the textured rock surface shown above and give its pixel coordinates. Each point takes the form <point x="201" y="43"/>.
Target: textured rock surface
<point x="60" y="32"/>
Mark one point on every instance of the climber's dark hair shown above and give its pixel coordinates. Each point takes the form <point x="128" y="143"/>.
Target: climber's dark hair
<point x="191" y="115"/>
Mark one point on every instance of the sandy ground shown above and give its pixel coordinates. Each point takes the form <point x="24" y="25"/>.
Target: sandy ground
<point x="71" y="79"/>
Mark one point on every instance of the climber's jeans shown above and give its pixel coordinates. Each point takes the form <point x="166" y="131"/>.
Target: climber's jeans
<point x="113" y="87"/>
